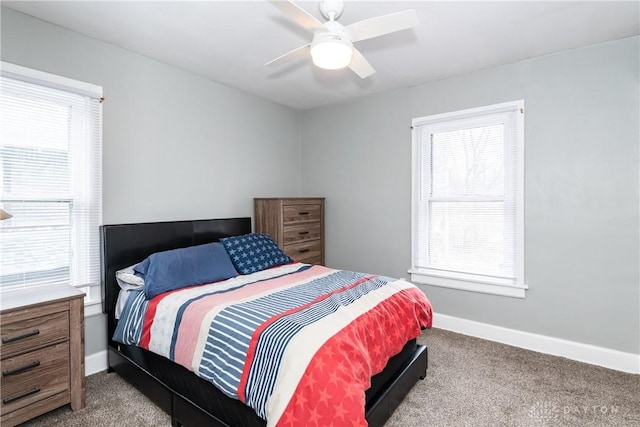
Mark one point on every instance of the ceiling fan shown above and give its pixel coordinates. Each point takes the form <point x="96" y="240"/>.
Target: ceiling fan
<point x="332" y="44"/>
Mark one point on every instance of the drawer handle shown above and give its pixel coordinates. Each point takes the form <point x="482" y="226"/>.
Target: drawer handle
<point x="303" y="232"/>
<point x="26" y="367"/>
<point x="7" y="340"/>
<point x="20" y="396"/>
<point x="303" y="213"/>
<point x="303" y="251"/>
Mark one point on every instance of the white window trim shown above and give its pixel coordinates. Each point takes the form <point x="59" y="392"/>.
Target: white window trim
<point x="93" y="295"/>
<point x="92" y="308"/>
<point x="19" y="72"/>
<point x="463" y="281"/>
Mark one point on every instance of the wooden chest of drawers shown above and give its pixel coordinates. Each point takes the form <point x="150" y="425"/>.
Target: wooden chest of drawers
<point x="296" y="224"/>
<point x="41" y="352"/>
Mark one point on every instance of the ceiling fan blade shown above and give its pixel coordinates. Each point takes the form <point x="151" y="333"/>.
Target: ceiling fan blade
<point x="360" y="65"/>
<point x="298" y="14"/>
<point x="291" y="55"/>
<point x="381" y="25"/>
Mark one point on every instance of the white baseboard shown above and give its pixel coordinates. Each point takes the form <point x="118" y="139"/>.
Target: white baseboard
<point x="95" y="363"/>
<point x="608" y="358"/>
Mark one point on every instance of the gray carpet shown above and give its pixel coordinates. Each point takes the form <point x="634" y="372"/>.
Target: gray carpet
<point x="470" y="382"/>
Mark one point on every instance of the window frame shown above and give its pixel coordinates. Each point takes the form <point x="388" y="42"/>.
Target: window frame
<point x="458" y="280"/>
<point x="93" y="297"/>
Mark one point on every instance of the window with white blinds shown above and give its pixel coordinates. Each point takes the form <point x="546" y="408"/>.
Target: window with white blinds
<point x="50" y="167"/>
<point x="468" y="183"/>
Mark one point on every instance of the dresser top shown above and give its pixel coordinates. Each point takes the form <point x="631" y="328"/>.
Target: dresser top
<point x="23" y="297"/>
<point x="289" y="198"/>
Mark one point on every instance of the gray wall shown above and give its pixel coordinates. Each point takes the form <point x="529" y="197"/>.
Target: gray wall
<point x="176" y="146"/>
<point x="581" y="192"/>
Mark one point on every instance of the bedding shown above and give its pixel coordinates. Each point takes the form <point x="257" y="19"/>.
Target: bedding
<point x="123" y="296"/>
<point x="294" y="342"/>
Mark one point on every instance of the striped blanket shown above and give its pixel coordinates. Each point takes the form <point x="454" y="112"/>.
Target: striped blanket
<point x="297" y="343"/>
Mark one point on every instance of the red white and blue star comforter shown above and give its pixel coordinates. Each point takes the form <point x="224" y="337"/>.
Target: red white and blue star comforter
<point x="297" y="343"/>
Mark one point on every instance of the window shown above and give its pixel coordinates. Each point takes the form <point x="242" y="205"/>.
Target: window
<point x="467" y="202"/>
<point x="50" y="177"/>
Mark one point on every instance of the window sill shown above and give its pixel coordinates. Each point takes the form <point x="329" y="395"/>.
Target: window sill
<point x="481" y="286"/>
<point x="92" y="307"/>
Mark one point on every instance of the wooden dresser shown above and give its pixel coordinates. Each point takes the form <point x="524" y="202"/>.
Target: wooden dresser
<point x="42" y="352"/>
<point x="296" y="224"/>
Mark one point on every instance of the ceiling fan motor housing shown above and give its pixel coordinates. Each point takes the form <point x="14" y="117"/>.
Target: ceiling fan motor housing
<point x="327" y="37"/>
<point x="335" y="34"/>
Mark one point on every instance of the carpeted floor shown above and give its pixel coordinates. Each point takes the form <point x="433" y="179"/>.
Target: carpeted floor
<point x="470" y="382"/>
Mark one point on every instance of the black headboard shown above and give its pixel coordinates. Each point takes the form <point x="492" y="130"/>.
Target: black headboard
<point x="125" y="244"/>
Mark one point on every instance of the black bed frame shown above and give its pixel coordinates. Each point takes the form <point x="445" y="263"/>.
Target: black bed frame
<point x="188" y="399"/>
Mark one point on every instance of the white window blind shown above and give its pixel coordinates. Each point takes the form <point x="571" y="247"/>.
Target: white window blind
<point x="50" y="166"/>
<point x="467" y="198"/>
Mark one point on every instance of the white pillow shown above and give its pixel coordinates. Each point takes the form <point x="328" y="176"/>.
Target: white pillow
<point x="127" y="279"/>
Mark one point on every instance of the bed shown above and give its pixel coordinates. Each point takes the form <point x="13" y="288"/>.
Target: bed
<point x="187" y="398"/>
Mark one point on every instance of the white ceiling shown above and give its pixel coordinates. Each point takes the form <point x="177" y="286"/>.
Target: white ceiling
<point x="230" y="41"/>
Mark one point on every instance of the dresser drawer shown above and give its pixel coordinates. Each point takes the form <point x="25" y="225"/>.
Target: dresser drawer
<point x="293" y="233"/>
<point x="298" y="213"/>
<point x="34" y="376"/>
<point x="304" y="251"/>
<point x="315" y="260"/>
<point x="26" y="334"/>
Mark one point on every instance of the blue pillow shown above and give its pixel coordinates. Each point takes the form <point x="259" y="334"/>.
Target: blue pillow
<point x="179" y="268"/>
<point x="254" y="252"/>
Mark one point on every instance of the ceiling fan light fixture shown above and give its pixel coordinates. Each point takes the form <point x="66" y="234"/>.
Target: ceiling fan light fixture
<point x="331" y="52"/>
<point x="332" y="43"/>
